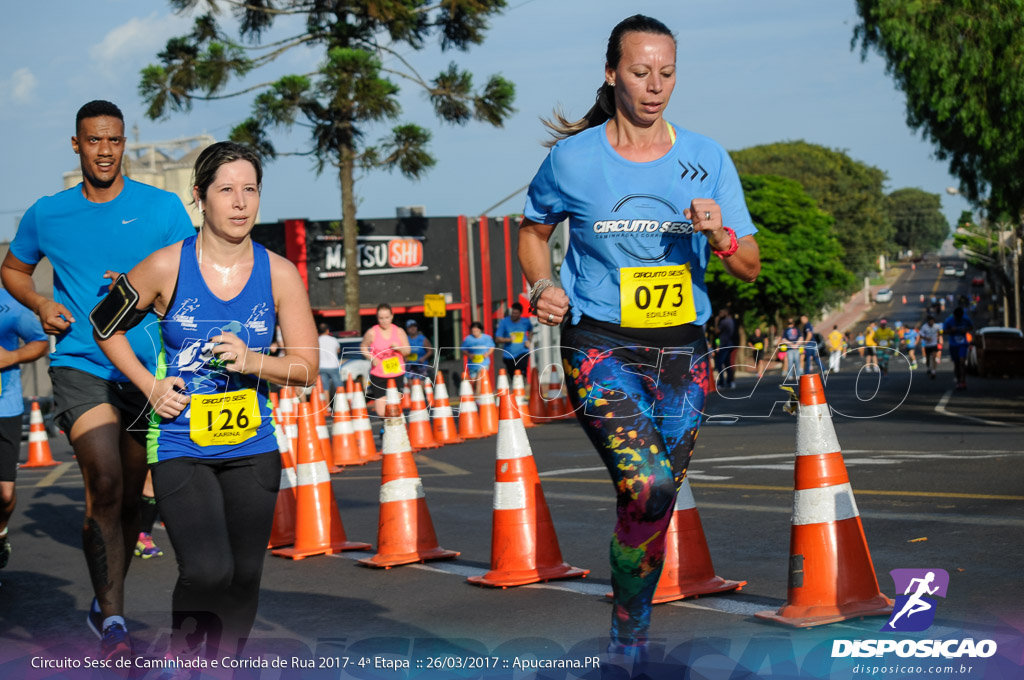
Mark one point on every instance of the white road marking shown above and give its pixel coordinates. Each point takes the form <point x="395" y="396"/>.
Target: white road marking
<point x="569" y="471"/>
<point x="728" y="603"/>
<point x="698" y="476"/>
<point x="692" y="474"/>
<point x="941" y="408"/>
<point x="917" y="517"/>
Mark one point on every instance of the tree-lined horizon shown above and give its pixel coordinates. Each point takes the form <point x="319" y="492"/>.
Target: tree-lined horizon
<point x="350" y="95"/>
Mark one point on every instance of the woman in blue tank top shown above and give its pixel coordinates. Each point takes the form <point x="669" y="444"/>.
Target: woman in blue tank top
<point x="211" y="445"/>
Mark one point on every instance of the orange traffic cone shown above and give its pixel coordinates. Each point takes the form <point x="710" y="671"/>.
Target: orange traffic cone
<point x="288" y="400"/>
<point x="538" y="404"/>
<point x="361" y="427"/>
<point x="318" y="391"/>
<point x="39" y="454"/>
<point x="405" y="532"/>
<point x="687" y="571"/>
<point x="519" y="400"/>
<point x="290" y="427"/>
<point x="428" y="391"/>
<point x="524" y="547"/>
<point x="283" y="443"/>
<point x="559" y="407"/>
<point x="421" y="436"/>
<point x="319" y="411"/>
<point x="485" y="404"/>
<point x="344" y="449"/>
<point x="318" y="529"/>
<point x="406" y="400"/>
<point x="469" y="415"/>
<point x="501" y="383"/>
<point x="283" y="530"/>
<point x="275" y="404"/>
<point x="831" y="576"/>
<point x="444" y="419"/>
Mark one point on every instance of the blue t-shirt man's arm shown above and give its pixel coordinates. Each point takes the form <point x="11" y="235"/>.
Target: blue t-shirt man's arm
<point x="82" y="240"/>
<point x="17" y="323"/>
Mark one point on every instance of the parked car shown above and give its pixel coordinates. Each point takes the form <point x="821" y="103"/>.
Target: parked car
<point x="960" y="272"/>
<point x="978" y="281"/>
<point x="352" y="360"/>
<point x="997" y="350"/>
<point x="883" y="295"/>
<point x="949" y="270"/>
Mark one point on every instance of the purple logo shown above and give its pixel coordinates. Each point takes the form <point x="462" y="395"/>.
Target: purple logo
<point x="915" y="609"/>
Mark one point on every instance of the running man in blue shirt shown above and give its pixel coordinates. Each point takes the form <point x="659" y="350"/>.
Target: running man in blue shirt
<point x="17" y="325"/>
<point x="911" y="337"/>
<point x="90" y="233"/>
<point x="479" y="346"/>
<point x="955" y="328"/>
<point x="514" y="333"/>
<point x="421" y="351"/>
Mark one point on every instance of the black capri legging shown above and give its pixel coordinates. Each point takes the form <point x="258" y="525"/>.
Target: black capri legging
<point x="639" y="398"/>
<point x="218" y="515"/>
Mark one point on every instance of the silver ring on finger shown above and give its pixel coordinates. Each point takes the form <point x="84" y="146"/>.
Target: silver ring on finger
<point x="551" y="317"/>
<point x="707" y="214"/>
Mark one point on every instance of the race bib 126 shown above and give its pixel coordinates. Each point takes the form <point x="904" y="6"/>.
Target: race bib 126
<point x="224" y="419"/>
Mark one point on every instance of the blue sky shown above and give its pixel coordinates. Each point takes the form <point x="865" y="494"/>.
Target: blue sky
<point x="750" y="72"/>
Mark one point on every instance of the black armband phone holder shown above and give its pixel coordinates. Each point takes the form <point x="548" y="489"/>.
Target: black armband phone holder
<point x="116" y="311"/>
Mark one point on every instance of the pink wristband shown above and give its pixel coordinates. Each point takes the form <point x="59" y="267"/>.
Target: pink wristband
<point x="734" y="245"/>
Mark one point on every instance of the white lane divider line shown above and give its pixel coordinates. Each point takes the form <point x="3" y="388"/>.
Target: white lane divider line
<point x="569" y="471"/>
<point x="726" y="604"/>
<point x="941" y="408"/>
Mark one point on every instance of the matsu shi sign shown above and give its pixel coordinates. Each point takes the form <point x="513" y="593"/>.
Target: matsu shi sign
<point x="377" y="255"/>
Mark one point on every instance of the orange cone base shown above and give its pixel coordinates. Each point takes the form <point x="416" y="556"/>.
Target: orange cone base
<point x="805" y="617"/>
<point x="454" y="439"/>
<point x="387" y="561"/>
<point x="43" y="463"/>
<point x="521" y="577"/>
<point x="294" y="554"/>
<point x="832" y="584"/>
<point x="681" y="591"/>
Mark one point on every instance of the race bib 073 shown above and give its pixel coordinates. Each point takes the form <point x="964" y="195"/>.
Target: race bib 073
<point x="656" y="297"/>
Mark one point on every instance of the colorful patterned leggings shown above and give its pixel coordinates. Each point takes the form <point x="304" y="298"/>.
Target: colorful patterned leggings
<point x="641" y="408"/>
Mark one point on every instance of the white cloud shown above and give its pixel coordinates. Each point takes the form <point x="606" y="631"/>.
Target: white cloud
<point x="21" y="85"/>
<point x="132" y="44"/>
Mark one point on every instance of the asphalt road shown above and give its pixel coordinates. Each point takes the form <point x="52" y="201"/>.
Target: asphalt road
<point x="938" y="477"/>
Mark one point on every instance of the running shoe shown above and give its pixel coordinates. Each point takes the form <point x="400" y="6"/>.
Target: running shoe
<point x="145" y="548"/>
<point x="94" y="619"/>
<point x="115" y="643"/>
<point x="5" y="550"/>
